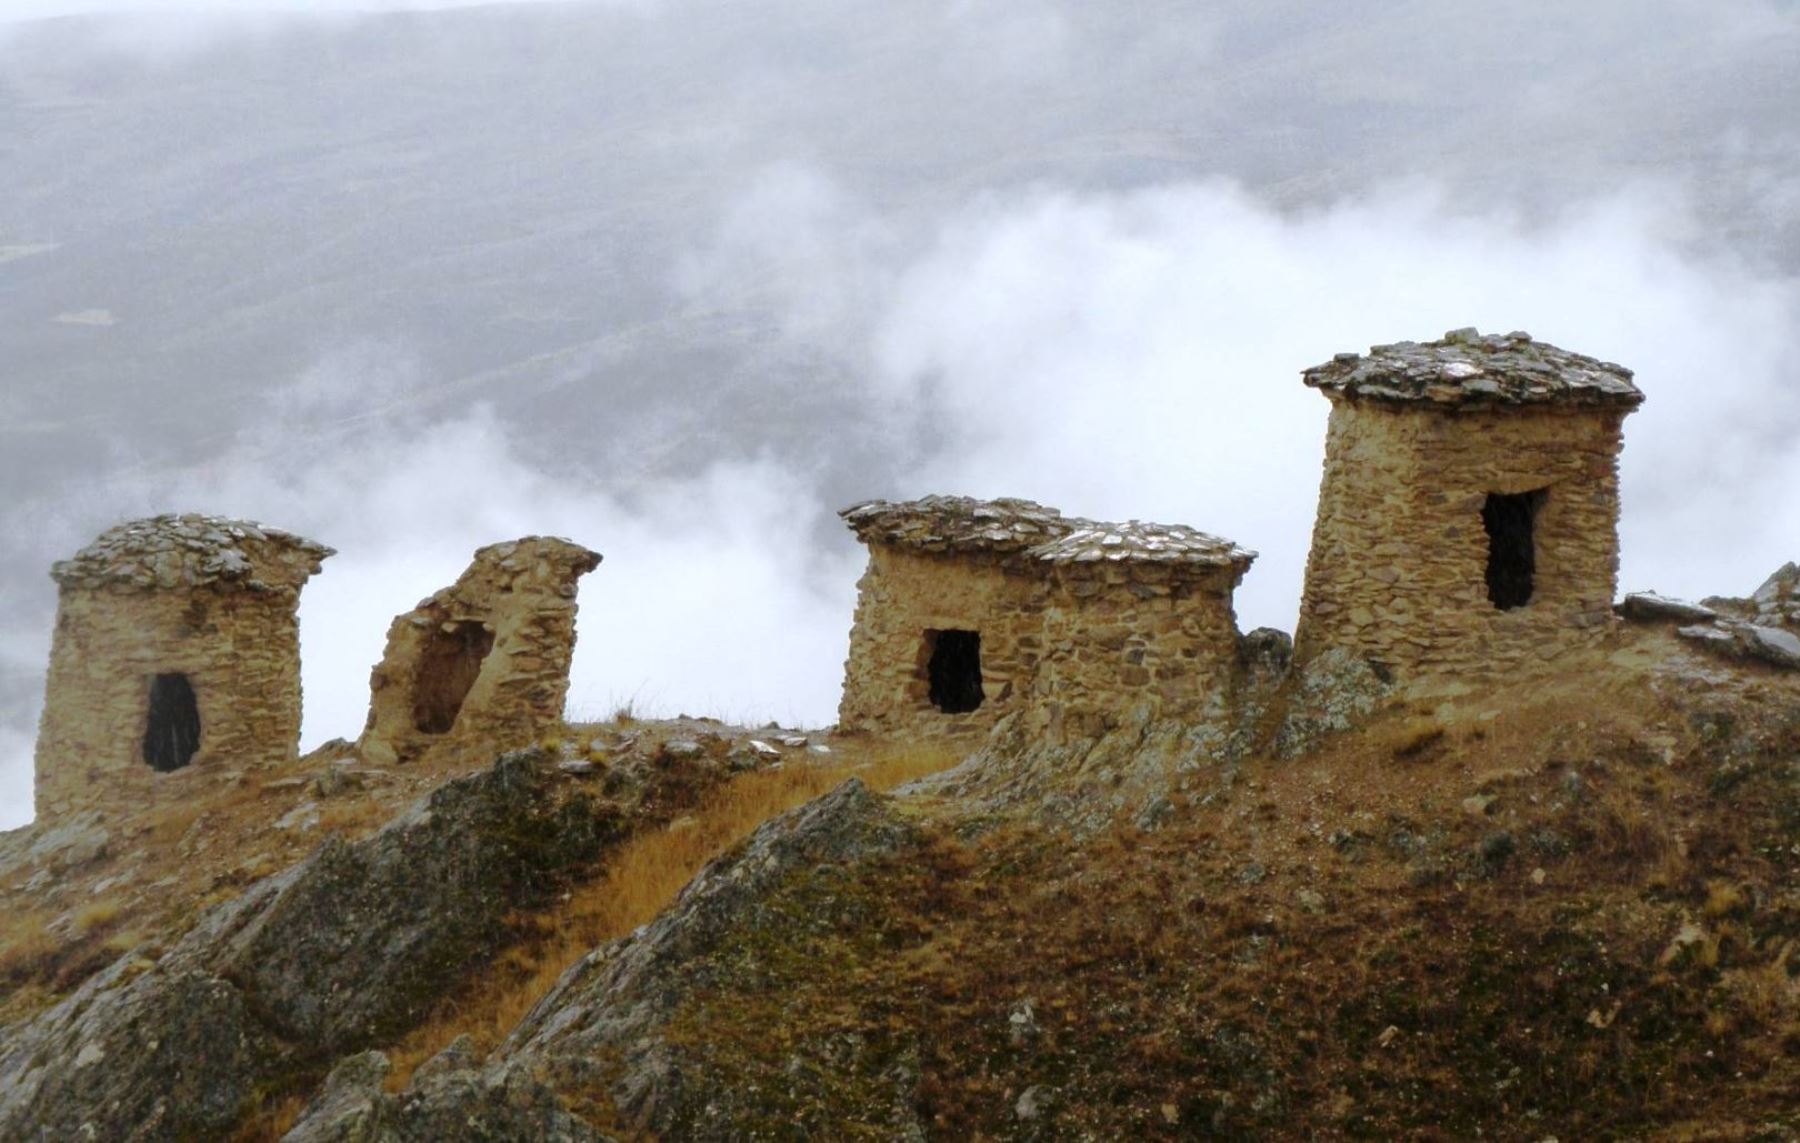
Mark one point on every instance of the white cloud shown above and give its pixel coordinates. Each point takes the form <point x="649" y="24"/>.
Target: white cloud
<point x="1115" y="354"/>
<point x="43" y="9"/>
<point x="712" y="598"/>
<point x="15" y="777"/>
<point x="1139" y="355"/>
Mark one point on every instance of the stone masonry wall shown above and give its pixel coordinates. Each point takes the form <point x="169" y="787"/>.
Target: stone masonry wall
<point x="241" y="651"/>
<point x="905" y="593"/>
<point x="1133" y="637"/>
<point x="1078" y="646"/>
<point x="519" y="597"/>
<point x="1397" y="569"/>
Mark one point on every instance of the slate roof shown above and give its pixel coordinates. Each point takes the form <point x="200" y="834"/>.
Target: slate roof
<point x="1093" y="541"/>
<point x="1032" y="532"/>
<point x="1467" y="368"/>
<point x="190" y="550"/>
<point x="956" y="524"/>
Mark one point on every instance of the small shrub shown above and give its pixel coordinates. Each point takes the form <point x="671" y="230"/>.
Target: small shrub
<point x="95" y="917"/>
<point x="1723" y="899"/>
<point x="29" y="951"/>
<point x="1416" y="737"/>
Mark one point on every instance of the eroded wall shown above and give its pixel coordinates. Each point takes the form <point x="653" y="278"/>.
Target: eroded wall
<point x="240" y="651"/>
<point x="484" y="662"/>
<point x="1397" y="570"/>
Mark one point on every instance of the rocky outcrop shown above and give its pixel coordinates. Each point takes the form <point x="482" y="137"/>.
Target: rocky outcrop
<point x="1765" y="628"/>
<point x="449" y="1099"/>
<point x="1085" y="785"/>
<point x="349" y="946"/>
<point x="1331" y="694"/>
<point x="365" y="936"/>
<point x="606" y="1026"/>
<point x="54" y="846"/>
<point x="1775" y="604"/>
<point x="1750" y="642"/>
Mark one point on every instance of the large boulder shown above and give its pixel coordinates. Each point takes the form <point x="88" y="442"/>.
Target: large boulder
<point x="1753" y="642"/>
<point x="1334" y="692"/>
<point x="349" y="947"/>
<point x="449" y="1099"/>
<point x="365" y="939"/>
<point x="607" y="1025"/>
<point x="1650" y="607"/>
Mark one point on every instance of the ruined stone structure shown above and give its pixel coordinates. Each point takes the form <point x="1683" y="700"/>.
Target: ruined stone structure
<point x="1468" y="517"/>
<point x="485" y="660"/>
<point x="972" y="609"/>
<point x="177" y="644"/>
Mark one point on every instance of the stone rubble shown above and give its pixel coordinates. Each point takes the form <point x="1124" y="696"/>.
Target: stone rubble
<point x="1735" y="639"/>
<point x="1761" y="629"/>
<point x="1775" y="604"/>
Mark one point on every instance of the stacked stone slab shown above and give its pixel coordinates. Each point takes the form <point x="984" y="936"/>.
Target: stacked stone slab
<point x="1764" y="628"/>
<point x="483" y="662"/>
<point x="197" y="603"/>
<point x="1078" y="621"/>
<point x="1425" y="442"/>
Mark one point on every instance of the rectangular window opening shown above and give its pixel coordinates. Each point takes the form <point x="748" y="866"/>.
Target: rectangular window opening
<point x="953" y="667"/>
<point x="1510" y="521"/>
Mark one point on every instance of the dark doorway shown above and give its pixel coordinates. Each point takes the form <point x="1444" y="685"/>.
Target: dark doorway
<point x="448" y="666"/>
<point x="172" y="730"/>
<point x="954" y="668"/>
<point x="1512" y="547"/>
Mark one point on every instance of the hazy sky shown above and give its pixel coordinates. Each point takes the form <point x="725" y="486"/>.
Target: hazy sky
<point x="40" y="9"/>
<point x="679" y="287"/>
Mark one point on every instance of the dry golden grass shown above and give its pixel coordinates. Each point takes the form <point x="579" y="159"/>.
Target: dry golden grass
<point x="269" y="1118"/>
<point x="639" y="882"/>
<point x="96" y="916"/>
<point x="1415" y="738"/>
<point x="28" y="947"/>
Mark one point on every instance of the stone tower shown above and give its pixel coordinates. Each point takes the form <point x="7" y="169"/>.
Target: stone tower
<point x="1468" y="517"/>
<point x="973" y="609"/>
<point x="177" y="644"/>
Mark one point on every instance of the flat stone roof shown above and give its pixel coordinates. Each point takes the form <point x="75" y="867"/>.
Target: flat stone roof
<point x="185" y="551"/>
<point x="1137" y="541"/>
<point x="956" y="524"/>
<point x="1024" y="528"/>
<point x="1466" y="367"/>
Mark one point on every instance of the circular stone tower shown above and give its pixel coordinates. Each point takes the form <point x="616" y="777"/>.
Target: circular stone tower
<point x="1468" y="517"/>
<point x="177" y="644"/>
